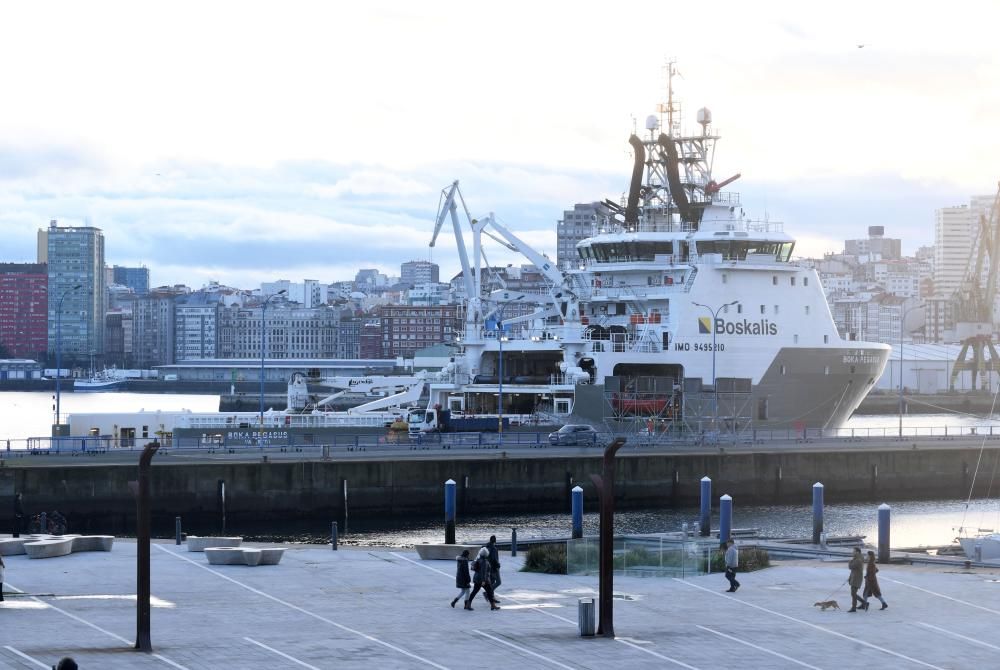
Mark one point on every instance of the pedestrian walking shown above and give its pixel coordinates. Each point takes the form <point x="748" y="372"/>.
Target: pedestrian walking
<point x="732" y="559"/>
<point x="871" y="582"/>
<point x="854" y="581"/>
<point x="481" y="580"/>
<point x="18" y="515"/>
<point x="462" y="579"/>
<point x="2" y="566"/>
<point x="494" y="555"/>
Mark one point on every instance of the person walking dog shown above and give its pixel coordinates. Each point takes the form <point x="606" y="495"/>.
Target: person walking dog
<point x="871" y="582"/>
<point x="732" y="558"/>
<point x="462" y="579"/>
<point x="854" y="580"/>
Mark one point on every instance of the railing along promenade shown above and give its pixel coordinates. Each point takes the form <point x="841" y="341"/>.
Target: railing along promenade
<point x="748" y="440"/>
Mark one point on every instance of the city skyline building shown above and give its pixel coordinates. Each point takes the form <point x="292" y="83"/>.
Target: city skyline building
<point x="419" y="272"/>
<point x="136" y="279"/>
<point x="24" y="309"/>
<point x="76" y="258"/>
<point x="576" y="225"/>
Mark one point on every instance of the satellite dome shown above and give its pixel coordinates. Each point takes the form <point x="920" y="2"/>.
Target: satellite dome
<point x="704" y="116"/>
<point x="652" y="123"/>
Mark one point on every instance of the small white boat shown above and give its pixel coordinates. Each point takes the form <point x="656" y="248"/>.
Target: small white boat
<point x="984" y="547"/>
<point x="105" y="380"/>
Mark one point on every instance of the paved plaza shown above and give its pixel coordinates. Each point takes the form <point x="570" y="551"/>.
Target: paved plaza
<point x="361" y="608"/>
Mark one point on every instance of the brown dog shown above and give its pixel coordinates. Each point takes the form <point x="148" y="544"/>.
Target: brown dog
<point x="824" y="605"/>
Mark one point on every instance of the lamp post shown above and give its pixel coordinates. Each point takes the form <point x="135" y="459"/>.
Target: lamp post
<point x="263" y="349"/>
<point x="59" y="305"/>
<point x="500" y="367"/>
<point x="902" y="324"/>
<point x="715" y="391"/>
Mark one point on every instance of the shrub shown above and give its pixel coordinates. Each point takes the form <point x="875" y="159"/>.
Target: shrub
<point x="751" y="558"/>
<point x="548" y="558"/>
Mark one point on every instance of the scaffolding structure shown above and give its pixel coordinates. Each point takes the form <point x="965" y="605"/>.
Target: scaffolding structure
<point x="642" y="406"/>
<point x="725" y="412"/>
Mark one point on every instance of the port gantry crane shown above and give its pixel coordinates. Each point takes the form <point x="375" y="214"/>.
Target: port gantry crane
<point x="974" y="317"/>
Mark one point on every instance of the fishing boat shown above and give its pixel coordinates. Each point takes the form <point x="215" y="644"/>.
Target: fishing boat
<point x="105" y="380"/>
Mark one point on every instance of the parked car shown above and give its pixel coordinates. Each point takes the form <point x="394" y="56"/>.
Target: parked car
<point x="574" y="434"/>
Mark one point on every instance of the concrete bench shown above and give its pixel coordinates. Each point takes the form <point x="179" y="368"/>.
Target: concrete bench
<point x="12" y="546"/>
<point x="243" y="556"/>
<point x="446" y="552"/>
<point x="50" y="546"/>
<point x="196" y="543"/>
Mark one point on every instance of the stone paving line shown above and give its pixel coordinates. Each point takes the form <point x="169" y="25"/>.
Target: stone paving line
<point x="387" y="608"/>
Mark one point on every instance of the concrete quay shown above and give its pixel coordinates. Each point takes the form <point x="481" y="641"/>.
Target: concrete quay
<point x="365" y="608"/>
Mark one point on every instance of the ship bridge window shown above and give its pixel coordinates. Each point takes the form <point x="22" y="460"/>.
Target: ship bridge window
<point x="627" y="252"/>
<point x="738" y="250"/>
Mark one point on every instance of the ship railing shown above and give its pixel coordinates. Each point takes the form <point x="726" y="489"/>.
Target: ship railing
<point x="311" y="446"/>
<point x="519" y="334"/>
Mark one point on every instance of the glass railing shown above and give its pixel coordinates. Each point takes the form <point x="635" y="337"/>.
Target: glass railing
<point x="644" y="556"/>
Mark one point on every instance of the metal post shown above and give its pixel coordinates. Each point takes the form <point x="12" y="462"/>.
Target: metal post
<point x="177" y="530"/>
<point x="500" y="379"/>
<point x="59" y="306"/>
<point x="706" y="507"/>
<point x="333" y="535"/>
<point x="605" y="483"/>
<point x="577" y="512"/>
<point x="43" y="523"/>
<point x="715" y="391"/>
<point x="449" y="512"/>
<point x="883" y="533"/>
<point x="725" y="518"/>
<point x="142" y="537"/>
<point x="817" y="512"/>
<point x="513" y="541"/>
<point x="222" y="503"/>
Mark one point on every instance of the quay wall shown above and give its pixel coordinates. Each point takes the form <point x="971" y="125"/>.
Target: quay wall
<point x="394" y="488"/>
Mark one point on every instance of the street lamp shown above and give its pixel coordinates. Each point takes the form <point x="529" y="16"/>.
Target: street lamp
<point x="715" y="391"/>
<point x="263" y="348"/>
<point x="902" y="323"/>
<point x="500" y="367"/>
<point x="59" y="305"/>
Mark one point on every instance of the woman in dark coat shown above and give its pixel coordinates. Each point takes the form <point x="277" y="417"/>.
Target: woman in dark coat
<point x="871" y="582"/>
<point x="854" y="581"/>
<point x="462" y="579"/>
<point x="481" y="580"/>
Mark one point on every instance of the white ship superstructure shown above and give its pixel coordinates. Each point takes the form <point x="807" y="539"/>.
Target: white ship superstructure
<point x="683" y="311"/>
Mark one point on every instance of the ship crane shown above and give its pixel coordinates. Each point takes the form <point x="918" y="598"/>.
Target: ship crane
<point x="974" y="303"/>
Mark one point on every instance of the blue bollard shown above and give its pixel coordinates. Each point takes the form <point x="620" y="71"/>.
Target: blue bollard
<point x="817" y="512"/>
<point x="725" y="517"/>
<point x="43" y="523"/>
<point x="177" y="530"/>
<point x="577" y="512"/>
<point x="333" y="535"/>
<point x="513" y="541"/>
<point x="449" y="512"/>
<point x="883" y="533"/>
<point x="706" y="507"/>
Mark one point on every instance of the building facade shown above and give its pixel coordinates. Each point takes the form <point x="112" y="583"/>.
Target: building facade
<point x="136" y="279"/>
<point x="577" y="225"/>
<point x="407" y="328"/>
<point x="289" y="331"/>
<point x="196" y="326"/>
<point x="419" y="272"/>
<point x="24" y="309"/>
<point x="76" y="290"/>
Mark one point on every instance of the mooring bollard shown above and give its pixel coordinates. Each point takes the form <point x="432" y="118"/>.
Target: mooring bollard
<point x="577" y="512"/>
<point x="706" y="507"/>
<point x="43" y="523"/>
<point x="883" y="533"/>
<point x="513" y="541"/>
<point x="817" y="512"/>
<point x="725" y="517"/>
<point x="333" y="535"/>
<point x="449" y="512"/>
<point x="177" y="529"/>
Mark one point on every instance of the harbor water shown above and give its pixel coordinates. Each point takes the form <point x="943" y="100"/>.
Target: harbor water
<point x="914" y="523"/>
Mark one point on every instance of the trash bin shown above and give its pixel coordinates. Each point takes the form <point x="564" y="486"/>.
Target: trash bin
<point x="585" y="617"/>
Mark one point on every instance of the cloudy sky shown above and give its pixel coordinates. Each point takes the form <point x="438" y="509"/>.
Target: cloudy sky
<point x="245" y="142"/>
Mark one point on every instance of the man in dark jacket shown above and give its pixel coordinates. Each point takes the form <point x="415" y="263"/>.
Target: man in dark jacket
<point x="481" y="580"/>
<point x="494" y="555"/>
<point x="462" y="579"/>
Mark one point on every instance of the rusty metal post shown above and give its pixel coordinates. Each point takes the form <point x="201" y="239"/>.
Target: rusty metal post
<point x="605" y="483"/>
<point x="142" y="536"/>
